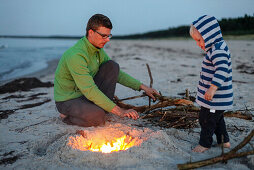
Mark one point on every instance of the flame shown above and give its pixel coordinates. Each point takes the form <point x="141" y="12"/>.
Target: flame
<point x="99" y="145"/>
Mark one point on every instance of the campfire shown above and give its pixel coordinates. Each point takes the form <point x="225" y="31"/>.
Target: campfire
<point x="105" y="142"/>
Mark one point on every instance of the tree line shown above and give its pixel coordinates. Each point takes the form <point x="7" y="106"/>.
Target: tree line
<point x="229" y="26"/>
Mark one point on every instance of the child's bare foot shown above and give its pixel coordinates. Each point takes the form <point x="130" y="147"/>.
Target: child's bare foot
<point x="62" y="116"/>
<point x="226" y="145"/>
<point x="199" y="149"/>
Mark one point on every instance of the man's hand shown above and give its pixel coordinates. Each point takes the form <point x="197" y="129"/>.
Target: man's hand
<point x="149" y="91"/>
<point x="130" y="113"/>
<point x="210" y="92"/>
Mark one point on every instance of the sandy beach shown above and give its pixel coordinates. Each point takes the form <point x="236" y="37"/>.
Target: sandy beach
<point x="36" y="138"/>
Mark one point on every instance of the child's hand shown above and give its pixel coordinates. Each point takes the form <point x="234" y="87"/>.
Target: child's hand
<point x="210" y="92"/>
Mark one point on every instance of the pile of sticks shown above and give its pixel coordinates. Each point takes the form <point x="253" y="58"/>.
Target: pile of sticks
<point x="182" y="114"/>
<point x="174" y="112"/>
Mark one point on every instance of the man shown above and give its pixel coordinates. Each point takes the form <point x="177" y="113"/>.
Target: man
<point x="85" y="79"/>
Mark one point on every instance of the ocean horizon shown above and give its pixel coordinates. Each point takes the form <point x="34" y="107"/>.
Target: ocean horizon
<point x="22" y="56"/>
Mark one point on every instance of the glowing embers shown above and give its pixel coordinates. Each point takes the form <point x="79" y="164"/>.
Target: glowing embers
<point x="105" y="141"/>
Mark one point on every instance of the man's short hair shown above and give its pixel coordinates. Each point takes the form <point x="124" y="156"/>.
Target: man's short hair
<point x="96" y="21"/>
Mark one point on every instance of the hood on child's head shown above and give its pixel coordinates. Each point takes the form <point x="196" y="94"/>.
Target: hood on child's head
<point x="209" y="28"/>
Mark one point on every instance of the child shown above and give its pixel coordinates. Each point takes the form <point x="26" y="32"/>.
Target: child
<point x="215" y="93"/>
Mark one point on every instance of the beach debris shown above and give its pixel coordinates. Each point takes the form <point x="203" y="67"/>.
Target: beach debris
<point x="245" y="68"/>
<point x="23" y="84"/>
<point x="82" y="133"/>
<point x="35" y="124"/>
<point x="188" y="95"/>
<point x="2" y="46"/>
<point x="26" y="106"/>
<point x="13" y="97"/>
<point x="4" y="114"/>
<point x="41" y="150"/>
<point x="176" y="81"/>
<point x="238" y="81"/>
<point x="239" y="114"/>
<point x="224" y="156"/>
<point x="32" y="97"/>
<point x="8" y="158"/>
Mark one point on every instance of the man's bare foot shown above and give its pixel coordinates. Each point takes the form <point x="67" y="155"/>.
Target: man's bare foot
<point x="62" y="116"/>
<point x="199" y="149"/>
<point x="226" y="145"/>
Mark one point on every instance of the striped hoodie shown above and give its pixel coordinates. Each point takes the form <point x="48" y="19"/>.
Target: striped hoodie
<point x="216" y="66"/>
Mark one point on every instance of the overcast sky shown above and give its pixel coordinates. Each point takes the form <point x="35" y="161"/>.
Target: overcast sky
<point x="69" y="17"/>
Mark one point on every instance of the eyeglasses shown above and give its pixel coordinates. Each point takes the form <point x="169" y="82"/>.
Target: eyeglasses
<point x="104" y="36"/>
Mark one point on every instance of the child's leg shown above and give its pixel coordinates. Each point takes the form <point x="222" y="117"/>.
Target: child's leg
<point x="207" y="121"/>
<point x="221" y="130"/>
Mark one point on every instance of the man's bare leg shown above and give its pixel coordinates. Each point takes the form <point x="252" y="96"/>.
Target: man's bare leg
<point x="199" y="149"/>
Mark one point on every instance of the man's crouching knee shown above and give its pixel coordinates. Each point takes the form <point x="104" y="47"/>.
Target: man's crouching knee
<point x="95" y="119"/>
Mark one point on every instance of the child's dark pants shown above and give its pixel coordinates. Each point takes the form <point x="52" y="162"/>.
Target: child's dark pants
<point x="81" y="111"/>
<point x="212" y="123"/>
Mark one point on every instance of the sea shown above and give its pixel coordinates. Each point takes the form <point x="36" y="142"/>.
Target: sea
<point x="22" y="56"/>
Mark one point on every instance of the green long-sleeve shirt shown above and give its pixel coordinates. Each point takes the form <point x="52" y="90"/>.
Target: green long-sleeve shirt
<point x="75" y="72"/>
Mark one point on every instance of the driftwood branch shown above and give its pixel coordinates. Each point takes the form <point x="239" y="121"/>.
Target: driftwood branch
<point x="150" y="75"/>
<point x="134" y="97"/>
<point x="187" y="94"/>
<point x="243" y="143"/>
<point x="170" y="102"/>
<point x="151" y="81"/>
<point x="213" y="160"/>
<point x="164" y="102"/>
<point x="35" y="124"/>
<point x="231" y="154"/>
<point x="238" y="114"/>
